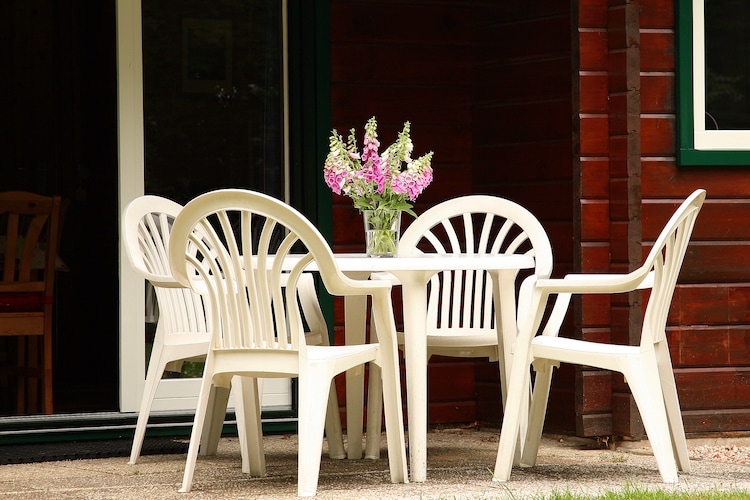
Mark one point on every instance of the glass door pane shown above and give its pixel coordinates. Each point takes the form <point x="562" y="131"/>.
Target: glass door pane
<point x="213" y="112"/>
<point x="213" y="118"/>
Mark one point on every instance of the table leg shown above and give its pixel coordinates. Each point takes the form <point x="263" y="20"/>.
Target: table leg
<point x="507" y="327"/>
<point x="355" y="312"/>
<point x="415" y="347"/>
<point x="505" y="319"/>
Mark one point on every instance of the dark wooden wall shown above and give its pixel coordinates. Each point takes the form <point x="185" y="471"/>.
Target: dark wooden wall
<point x="709" y="327"/>
<point x="408" y="61"/>
<point x="487" y="86"/>
<point x="523" y="139"/>
<point x="568" y="108"/>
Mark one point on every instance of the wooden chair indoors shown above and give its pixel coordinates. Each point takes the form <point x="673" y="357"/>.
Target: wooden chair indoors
<point x="29" y="235"/>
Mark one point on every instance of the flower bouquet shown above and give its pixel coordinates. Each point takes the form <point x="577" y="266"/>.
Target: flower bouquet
<point x="381" y="185"/>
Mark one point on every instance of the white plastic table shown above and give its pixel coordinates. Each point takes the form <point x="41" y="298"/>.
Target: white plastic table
<point x="414" y="273"/>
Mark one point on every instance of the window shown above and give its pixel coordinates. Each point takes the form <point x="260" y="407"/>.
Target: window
<point x="714" y="82"/>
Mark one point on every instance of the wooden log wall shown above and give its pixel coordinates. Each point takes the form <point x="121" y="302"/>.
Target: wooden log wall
<point x="709" y="322"/>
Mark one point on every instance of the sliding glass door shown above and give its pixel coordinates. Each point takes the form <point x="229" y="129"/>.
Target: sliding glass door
<point x="213" y="116"/>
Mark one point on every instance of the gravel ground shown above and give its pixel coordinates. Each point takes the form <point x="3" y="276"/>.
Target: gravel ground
<point x="727" y="453"/>
<point x="459" y="467"/>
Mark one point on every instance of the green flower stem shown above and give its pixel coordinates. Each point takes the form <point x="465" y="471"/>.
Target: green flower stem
<point x="382" y="230"/>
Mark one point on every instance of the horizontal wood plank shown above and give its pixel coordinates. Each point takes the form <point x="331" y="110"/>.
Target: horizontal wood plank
<point x="713" y="388"/>
<point x="657" y="51"/>
<point x="658" y="93"/>
<point x="656" y="14"/>
<point x="594" y="394"/>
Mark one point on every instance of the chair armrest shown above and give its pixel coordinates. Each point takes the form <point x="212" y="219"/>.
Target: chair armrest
<point x="164" y="282"/>
<point x="597" y="283"/>
<point x="385" y="276"/>
<point x="580" y="284"/>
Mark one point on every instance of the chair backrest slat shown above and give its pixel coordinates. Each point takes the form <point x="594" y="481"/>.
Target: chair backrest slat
<point x="473" y="224"/>
<point x="665" y="260"/>
<point x="239" y="258"/>
<point x="147" y="227"/>
<point x="29" y="236"/>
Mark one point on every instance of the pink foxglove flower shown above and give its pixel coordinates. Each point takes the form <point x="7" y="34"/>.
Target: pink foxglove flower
<point x="390" y="180"/>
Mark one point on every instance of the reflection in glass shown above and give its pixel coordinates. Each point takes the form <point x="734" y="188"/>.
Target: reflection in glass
<point x="212" y="99"/>
<point x="727" y="40"/>
<point x="213" y="102"/>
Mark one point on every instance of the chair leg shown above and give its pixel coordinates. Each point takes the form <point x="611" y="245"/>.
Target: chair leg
<point x="155" y="371"/>
<point x="200" y="416"/>
<point x="374" y="412"/>
<point x="356" y="318"/>
<point x="374" y="403"/>
<point x="355" y="402"/>
<point x="21" y="377"/>
<point x="672" y="405"/>
<point x="518" y="393"/>
<point x="33" y="373"/>
<point x="333" y="426"/>
<point x="249" y="426"/>
<point x="214" y="423"/>
<point x="650" y="401"/>
<point x="47" y="406"/>
<point x="394" y="420"/>
<point x="391" y="387"/>
<point x="313" y="400"/>
<point x="538" y="411"/>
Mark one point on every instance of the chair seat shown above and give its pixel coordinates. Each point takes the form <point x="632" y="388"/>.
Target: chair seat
<point x="314" y="353"/>
<point x="22" y="323"/>
<point x="338" y="351"/>
<point x="459" y="337"/>
<point x="21" y="302"/>
<point x="544" y="343"/>
<point x="189" y="338"/>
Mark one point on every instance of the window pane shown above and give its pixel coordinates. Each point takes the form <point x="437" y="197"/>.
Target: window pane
<point x="727" y="41"/>
<point x="213" y="111"/>
<point x="212" y="97"/>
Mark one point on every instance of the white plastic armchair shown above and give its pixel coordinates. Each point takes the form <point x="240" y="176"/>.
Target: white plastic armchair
<point x="462" y="319"/>
<point x="183" y="330"/>
<point x="233" y="244"/>
<point x="647" y="367"/>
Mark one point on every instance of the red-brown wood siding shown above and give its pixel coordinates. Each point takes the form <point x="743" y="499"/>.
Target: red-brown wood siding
<point x="523" y="137"/>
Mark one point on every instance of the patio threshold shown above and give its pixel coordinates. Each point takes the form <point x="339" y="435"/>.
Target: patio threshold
<point x="31" y="429"/>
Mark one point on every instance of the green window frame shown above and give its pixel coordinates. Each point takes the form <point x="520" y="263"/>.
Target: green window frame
<point x="696" y="145"/>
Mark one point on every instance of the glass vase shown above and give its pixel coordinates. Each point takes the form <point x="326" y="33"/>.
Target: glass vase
<point x="382" y="232"/>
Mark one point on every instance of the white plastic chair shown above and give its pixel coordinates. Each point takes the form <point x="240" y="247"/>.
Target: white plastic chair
<point x="647" y="367"/>
<point x="461" y="314"/>
<point x="183" y="332"/>
<point x="233" y="244"/>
